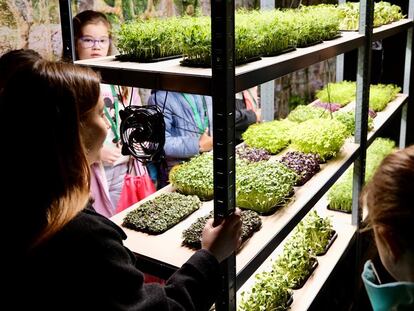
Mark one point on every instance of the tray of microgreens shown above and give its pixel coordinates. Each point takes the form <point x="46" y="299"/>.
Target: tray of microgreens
<point x="264" y="186"/>
<point x="304" y="164"/>
<point x="269" y="292"/>
<point x="303" y="113"/>
<point x="341" y="93"/>
<point x="195" y="177"/>
<point x="251" y="223"/>
<point x="316" y="232"/>
<point x="340" y="194"/>
<point x="384" y="13"/>
<point x="161" y="213"/>
<point x="296" y="263"/>
<point x="150" y="40"/>
<point x="252" y="154"/>
<point x="323" y="137"/>
<point x="271" y="136"/>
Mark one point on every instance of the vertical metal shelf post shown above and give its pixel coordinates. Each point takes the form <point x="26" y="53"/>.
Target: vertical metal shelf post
<point x="223" y="94"/>
<point x="366" y="17"/>
<point x="66" y="25"/>
<point x="407" y="73"/>
<point x="340" y="60"/>
<point x="267" y="89"/>
<point x="362" y="104"/>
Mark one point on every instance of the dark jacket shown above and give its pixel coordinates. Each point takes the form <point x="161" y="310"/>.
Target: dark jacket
<point x="86" y="267"/>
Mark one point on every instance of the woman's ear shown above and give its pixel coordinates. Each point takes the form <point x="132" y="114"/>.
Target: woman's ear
<point x="389" y="242"/>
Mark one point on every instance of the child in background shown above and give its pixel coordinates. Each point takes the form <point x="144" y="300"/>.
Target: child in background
<point x="388" y="198"/>
<point x="189" y="126"/>
<point x="92" y="32"/>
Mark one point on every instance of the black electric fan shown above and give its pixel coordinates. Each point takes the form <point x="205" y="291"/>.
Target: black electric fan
<point x="142" y="132"/>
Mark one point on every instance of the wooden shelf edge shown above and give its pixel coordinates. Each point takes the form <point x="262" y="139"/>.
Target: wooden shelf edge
<point x="169" y="75"/>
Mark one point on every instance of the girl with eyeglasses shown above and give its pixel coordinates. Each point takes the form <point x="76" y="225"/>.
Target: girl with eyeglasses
<point x="92" y="34"/>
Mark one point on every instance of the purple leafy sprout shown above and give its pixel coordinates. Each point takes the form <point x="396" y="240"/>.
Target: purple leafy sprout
<point x="252" y="154"/>
<point x="332" y="107"/>
<point x="304" y="164"/>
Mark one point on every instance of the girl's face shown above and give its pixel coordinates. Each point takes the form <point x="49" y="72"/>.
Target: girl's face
<point x="94" y="41"/>
<point x="94" y="130"/>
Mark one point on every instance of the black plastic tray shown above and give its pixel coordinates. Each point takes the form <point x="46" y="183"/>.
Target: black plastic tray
<point x="338" y="35"/>
<point x="131" y="58"/>
<point x="310" y="44"/>
<point x="338" y="210"/>
<point x="287" y="50"/>
<point x="185" y="62"/>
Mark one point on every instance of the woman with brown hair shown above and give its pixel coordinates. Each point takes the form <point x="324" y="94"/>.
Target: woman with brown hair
<point x="388" y="198"/>
<point x="65" y="255"/>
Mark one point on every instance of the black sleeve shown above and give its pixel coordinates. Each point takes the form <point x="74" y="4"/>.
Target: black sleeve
<point x="193" y="287"/>
<point x="85" y="266"/>
<point x="244" y="118"/>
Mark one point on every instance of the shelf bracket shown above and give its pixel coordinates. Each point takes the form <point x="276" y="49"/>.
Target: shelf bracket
<point x="362" y="103"/>
<point x="407" y="82"/>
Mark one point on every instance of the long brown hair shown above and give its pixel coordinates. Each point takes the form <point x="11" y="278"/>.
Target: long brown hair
<point x="50" y="108"/>
<point x="389" y="196"/>
<point x="90" y="17"/>
<point x="14" y="60"/>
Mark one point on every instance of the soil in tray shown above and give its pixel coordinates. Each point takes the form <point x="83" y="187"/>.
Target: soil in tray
<point x="300" y="285"/>
<point x="132" y="58"/>
<point x="334" y="235"/>
<point x="339" y="210"/>
<point x="161" y="213"/>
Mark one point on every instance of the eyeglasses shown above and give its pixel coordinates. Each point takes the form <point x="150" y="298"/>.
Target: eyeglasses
<point x="89" y="42"/>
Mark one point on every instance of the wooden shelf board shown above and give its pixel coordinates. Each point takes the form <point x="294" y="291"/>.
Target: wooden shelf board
<point x="169" y="75"/>
<point x="389" y="30"/>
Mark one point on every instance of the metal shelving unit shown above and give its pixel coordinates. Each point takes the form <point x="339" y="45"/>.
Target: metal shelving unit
<point x="169" y="75"/>
<point x="222" y="82"/>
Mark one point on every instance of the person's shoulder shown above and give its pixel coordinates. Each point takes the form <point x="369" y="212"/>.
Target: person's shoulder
<point x="89" y="225"/>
